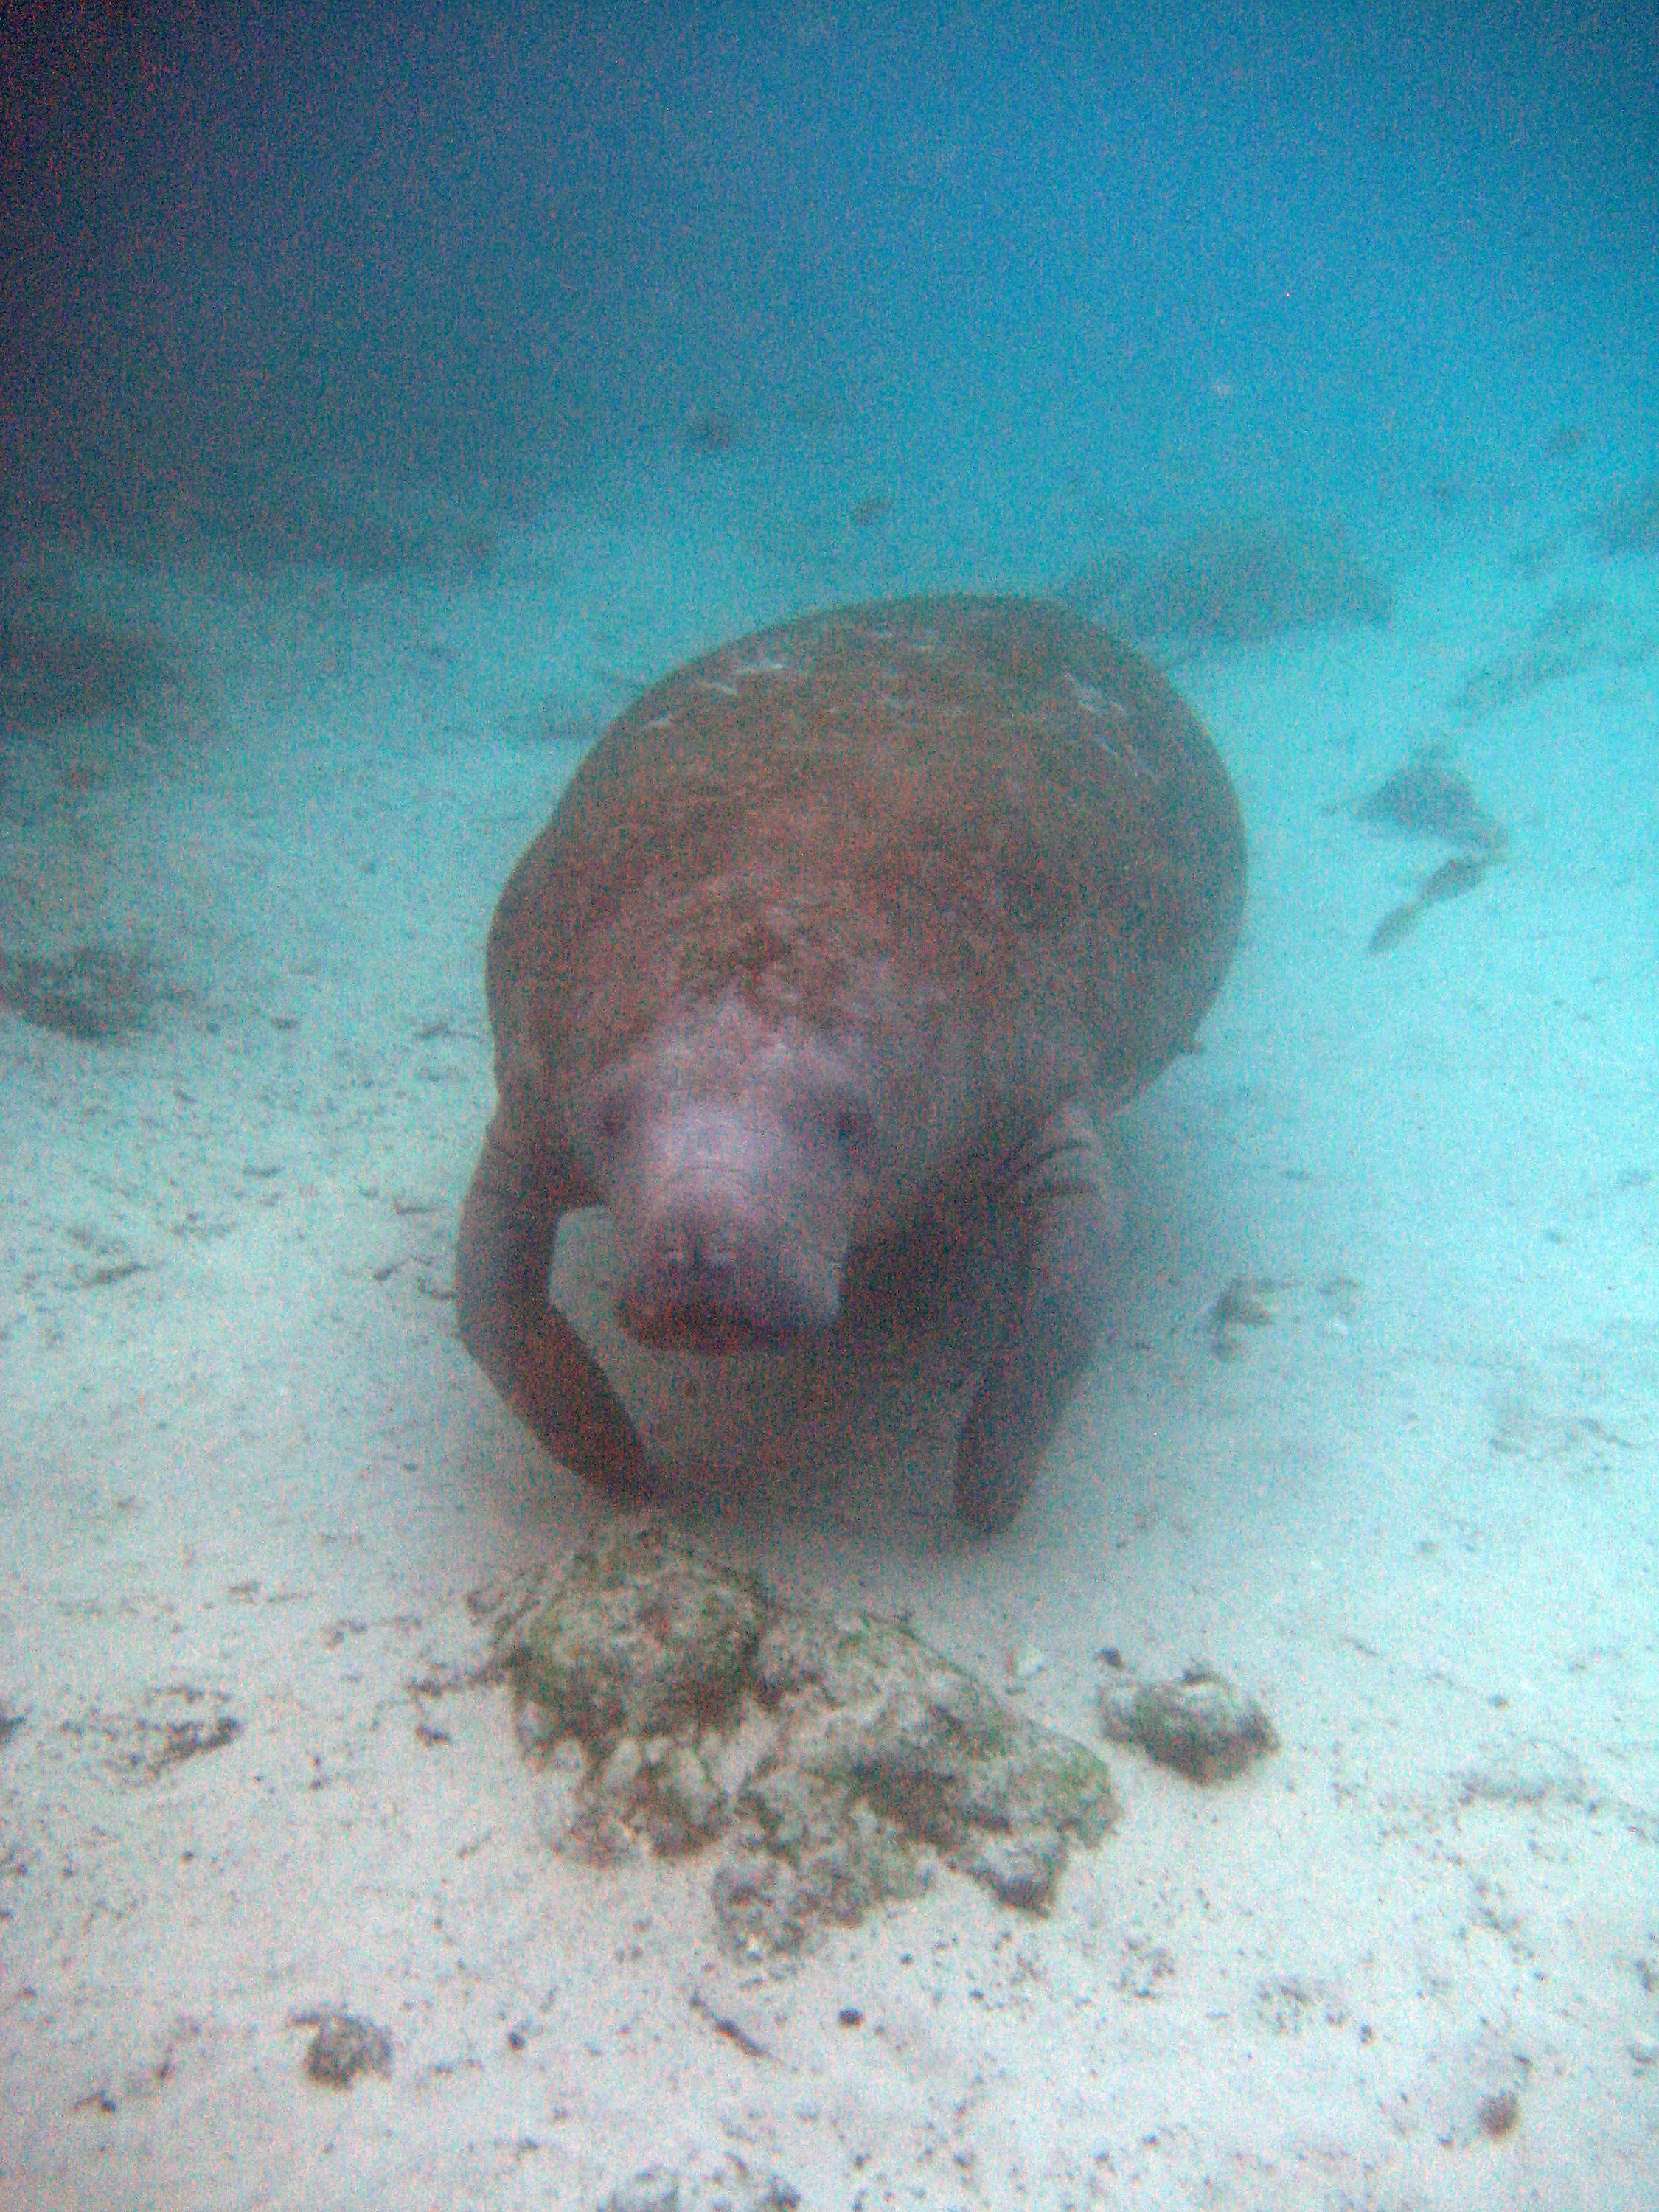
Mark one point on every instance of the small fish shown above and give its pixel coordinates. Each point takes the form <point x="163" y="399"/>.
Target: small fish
<point x="1451" y="879"/>
<point x="1394" y="925"/>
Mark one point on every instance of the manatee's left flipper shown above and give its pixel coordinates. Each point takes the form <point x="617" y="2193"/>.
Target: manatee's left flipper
<point x="1052" y="1195"/>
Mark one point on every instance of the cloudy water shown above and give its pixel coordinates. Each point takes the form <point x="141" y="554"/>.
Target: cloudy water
<point x="1264" y="1813"/>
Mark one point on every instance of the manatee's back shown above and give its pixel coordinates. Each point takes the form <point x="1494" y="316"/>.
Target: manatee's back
<point x="987" y="796"/>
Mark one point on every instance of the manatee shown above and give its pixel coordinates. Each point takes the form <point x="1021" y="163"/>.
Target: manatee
<point x="837" y="944"/>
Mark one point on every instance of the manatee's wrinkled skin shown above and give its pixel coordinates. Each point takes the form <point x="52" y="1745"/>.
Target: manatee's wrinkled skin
<point x="840" y="934"/>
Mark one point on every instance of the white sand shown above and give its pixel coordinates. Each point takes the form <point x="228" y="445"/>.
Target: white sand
<point x="1416" y="1515"/>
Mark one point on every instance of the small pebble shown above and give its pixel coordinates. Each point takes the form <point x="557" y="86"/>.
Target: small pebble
<point x="653" y="2189"/>
<point x="1499" y="2114"/>
<point x="343" y="2047"/>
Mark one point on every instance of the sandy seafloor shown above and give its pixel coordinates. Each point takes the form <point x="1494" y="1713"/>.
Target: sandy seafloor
<point x="1418" y="1515"/>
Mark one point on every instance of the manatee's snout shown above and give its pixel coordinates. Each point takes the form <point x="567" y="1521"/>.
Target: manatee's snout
<point x="706" y="1278"/>
<point x="731" y="1233"/>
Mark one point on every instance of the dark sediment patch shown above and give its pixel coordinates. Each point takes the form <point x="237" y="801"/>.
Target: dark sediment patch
<point x="95" y="992"/>
<point x="1237" y="584"/>
<point x="1428" y="797"/>
<point x="51" y="678"/>
<point x="1629" y="523"/>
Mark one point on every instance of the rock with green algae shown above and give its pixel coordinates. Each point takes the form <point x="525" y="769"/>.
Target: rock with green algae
<point x="839" y="1757"/>
<point x="1200" y="1724"/>
<point x="639" y="1638"/>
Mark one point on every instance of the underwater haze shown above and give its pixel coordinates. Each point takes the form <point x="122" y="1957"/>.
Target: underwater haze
<point x="1341" y="246"/>
<point x="1266" y="1817"/>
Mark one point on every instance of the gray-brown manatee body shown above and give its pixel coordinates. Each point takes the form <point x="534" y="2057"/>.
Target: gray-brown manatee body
<point x="840" y="936"/>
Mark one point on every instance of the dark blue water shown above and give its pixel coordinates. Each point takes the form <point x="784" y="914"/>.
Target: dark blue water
<point x="1303" y="252"/>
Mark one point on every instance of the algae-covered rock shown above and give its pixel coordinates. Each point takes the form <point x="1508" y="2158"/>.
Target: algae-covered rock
<point x="640" y="1638"/>
<point x="872" y="1714"/>
<point x="842" y="1860"/>
<point x="841" y="1757"/>
<point x="885" y="1753"/>
<point x="1199" y="1724"/>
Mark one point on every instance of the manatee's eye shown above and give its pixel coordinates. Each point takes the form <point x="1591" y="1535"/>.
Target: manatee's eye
<point x="611" y="1120"/>
<point x="854" y="1127"/>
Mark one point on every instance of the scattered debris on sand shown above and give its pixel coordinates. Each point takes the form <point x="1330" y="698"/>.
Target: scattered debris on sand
<point x="1573" y="634"/>
<point x="184" y="1720"/>
<point x="864" y="513"/>
<point x="710" y="431"/>
<point x="1245" y="1303"/>
<point x="1630" y="522"/>
<point x="732" y="2188"/>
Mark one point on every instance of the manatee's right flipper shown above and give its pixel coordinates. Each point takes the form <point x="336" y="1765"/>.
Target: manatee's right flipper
<point x="522" y="1341"/>
<point x="1050" y="1195"/>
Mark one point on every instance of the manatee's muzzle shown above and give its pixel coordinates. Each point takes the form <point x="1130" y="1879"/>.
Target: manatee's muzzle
<point x="702" y="1280"/>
